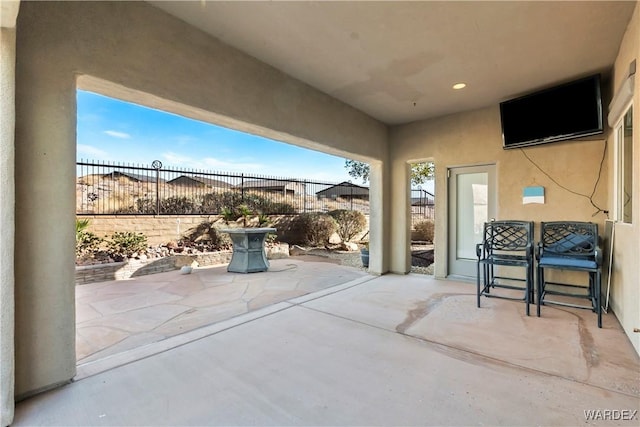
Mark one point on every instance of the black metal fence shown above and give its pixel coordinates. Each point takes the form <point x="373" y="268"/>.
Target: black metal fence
<point x="104" y="188"/>
<point x="423" y="206"/>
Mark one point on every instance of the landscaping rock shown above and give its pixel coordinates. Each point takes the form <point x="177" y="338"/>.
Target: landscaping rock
<point x="278" y="251"/>
<point x="348" y="246"/>
<point x="296" y="250"/>
<point x="335" y="239"/>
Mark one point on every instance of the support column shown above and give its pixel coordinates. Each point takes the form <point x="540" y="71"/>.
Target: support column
<point x="400" y="217"/>
<point x="45" y="144"/>
<point x="379" y="218"/>
<point x="7" y="222"/>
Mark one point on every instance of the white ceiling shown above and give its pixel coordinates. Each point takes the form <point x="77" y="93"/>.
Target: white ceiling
<point x="397" y="61"/>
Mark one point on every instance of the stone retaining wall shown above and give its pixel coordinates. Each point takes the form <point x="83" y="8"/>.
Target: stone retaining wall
<point x="137" y="267"/>
<point x="161" y="229"/>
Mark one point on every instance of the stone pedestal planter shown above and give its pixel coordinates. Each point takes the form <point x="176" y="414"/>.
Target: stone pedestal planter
<point x="248" y="249"/>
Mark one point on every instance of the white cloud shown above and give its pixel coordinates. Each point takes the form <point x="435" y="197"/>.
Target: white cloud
<point x="89" y="118"/>
<point x="211" y="163"/>
<point x="117" y="134"/>
<point x="181" y="160"/>
<point x="232" y="166"/>
<point x="184" y="139"/>
<point x="94" y="152"/>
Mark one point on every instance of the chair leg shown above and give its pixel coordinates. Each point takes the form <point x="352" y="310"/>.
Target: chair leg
<point x="478" y="283"/>
<point x="533" y="284"/>
<point x="598" y="298"/>
<point x="540" y="286"/>
<point x="527" y="291"/>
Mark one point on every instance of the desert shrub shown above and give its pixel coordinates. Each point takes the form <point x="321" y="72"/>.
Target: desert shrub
<point x="87" y="243"/>
<point x="170" y="205"/>
<point x="127" y="210"/>
<point x="232" y="202"/>
<point x="215" y="203"/>
<point x="424" y="230"/>
<point x="177" y="205"/>
<point x="268" y="204"/>
<point x="349" y="223"/>
<point x="145" y="205"/>
<point x="312" y="229"/>
<point x="282" y="208"/>
<point x="206" y="232"/>
<point x="126" y="243"/>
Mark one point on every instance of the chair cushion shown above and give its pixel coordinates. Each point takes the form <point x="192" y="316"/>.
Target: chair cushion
<point x="551" y="261"/>
<point x="570" y="243"/>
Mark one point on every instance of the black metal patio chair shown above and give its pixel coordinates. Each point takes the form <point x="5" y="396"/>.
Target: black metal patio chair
<point x="569" y="246"/>
<point x="506" y="246"/>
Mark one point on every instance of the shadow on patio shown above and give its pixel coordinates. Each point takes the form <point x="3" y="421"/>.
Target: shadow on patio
<point x="389" y="350"/>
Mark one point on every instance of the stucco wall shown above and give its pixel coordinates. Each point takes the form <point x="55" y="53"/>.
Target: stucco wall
<point x="625" y="287"/>
<point x="474" y="138"/>
<point x="138" y="53"/>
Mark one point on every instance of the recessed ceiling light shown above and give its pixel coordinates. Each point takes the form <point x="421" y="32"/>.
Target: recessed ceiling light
<point x="459" y="86"/>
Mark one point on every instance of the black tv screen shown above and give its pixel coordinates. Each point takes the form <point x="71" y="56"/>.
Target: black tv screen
<point x="571" y="110"/>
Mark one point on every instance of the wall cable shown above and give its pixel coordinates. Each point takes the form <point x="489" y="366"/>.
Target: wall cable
<point x="588" y="197"/>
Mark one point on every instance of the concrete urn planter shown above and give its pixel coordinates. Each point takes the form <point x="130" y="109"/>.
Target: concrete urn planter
<point x="364" y="256"/>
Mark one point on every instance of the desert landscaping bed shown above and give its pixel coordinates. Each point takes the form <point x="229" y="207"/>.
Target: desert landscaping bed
<point x="422" y="262"/>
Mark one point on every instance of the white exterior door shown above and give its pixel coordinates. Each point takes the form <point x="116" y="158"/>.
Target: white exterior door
<point x="472" y="202"/>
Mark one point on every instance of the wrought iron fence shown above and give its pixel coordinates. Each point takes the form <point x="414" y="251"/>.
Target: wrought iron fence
<point x="104" y="188"/>
<point x="423" y="206"/>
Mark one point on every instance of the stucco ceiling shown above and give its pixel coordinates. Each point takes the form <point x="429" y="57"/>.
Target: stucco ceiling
<point x="397" y="61"/>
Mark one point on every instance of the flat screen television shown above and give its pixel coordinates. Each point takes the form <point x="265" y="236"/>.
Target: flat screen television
<point x="568" y="111"/>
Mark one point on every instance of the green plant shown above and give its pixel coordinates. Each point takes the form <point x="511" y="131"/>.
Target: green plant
<point x="271" y="239"/>
<point x="228" y="214"/>
<point x="349" y="223"/>
<point x="313" y="229"/>
<point x="244" y="212"/>
<point x="87" y="243"/>
<point x="126" y="243"/>
<point x="263" y="220"/>
<point x="425" y="230"/>
<point x="81" y="226"/>
<point x="420" y="172"/>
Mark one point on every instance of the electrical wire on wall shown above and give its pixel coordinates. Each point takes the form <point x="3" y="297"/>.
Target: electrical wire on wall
<point x="595" y="186"/>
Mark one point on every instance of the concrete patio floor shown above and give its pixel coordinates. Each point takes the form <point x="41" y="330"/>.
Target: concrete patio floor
<point x="119" y="315"/>
<point x="390" y="350"/>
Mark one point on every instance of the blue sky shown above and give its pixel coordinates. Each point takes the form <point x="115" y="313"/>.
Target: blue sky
<point x="113" y="130"/>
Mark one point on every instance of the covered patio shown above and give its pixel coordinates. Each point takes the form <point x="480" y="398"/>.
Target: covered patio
<point x="390" y="350"/>
<point x="368" y="81"/>
<point x="119" y="315"/>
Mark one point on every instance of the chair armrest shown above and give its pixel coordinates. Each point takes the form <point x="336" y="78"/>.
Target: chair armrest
<point x="539" y="250"/>
<point x="478" y="250"/>
<point x="598" y="255"/>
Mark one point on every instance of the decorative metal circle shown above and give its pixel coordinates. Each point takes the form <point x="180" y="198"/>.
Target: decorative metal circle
<point x="157" y="164"/>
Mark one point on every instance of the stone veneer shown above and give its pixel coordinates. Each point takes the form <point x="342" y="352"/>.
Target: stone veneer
<point x="138" y="267"/>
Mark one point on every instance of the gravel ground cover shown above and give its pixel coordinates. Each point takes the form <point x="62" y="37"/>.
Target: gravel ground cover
<point x="421" y="258"/>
